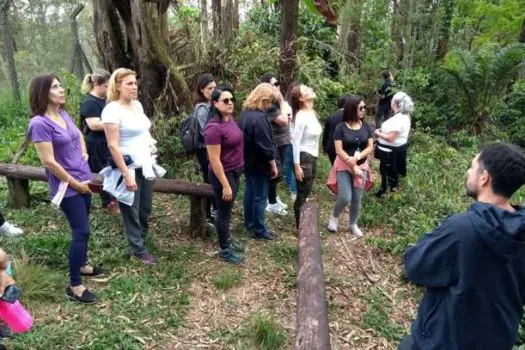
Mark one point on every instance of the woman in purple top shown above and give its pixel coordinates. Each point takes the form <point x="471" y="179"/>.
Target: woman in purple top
<point x="61" y="149"/>
<point x="225" y="145"/>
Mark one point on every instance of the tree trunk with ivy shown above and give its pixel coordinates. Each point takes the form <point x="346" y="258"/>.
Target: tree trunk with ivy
<point x="288" y="55"/>
<point x="8" y="47"/>
<point x="144" y="48"/>
<point x="447" y="13"/>
<point x="521" y="38"/>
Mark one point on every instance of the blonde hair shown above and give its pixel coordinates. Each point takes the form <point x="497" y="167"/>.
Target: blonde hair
<point x="262" y="92"/>
<point x="98" y="77"/>
<point x="116" y="78"/>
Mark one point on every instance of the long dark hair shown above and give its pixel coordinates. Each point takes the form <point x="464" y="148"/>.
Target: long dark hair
<point x="202" y="81"/>
<point x="350" y="114"/>
<point x="215" y="96"/>
<point x="293" y="95"/>
<point x="39" y="93"/>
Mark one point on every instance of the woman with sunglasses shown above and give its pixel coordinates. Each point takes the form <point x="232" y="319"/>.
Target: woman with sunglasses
<point x="306" y="133"/>
<point x="225" y="145"/>
<point x="353" y="142"/>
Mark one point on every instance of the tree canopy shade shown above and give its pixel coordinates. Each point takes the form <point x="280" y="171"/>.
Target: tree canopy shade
<point x="133" y="34"/>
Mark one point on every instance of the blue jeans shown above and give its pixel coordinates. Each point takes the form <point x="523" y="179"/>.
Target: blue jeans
<point x="255" y="199"/>
<point x="348" y="195"/>
<point x="286" y="153"/>
<point x="76" y="209"/>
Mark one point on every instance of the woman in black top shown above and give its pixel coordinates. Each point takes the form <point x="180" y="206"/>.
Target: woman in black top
<point x="353" y="143"/>
<point x="95" y="86"/>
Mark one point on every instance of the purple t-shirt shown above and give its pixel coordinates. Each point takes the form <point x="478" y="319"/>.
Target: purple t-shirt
<point x="67" y="149"/>
<point x="230" y="137"/>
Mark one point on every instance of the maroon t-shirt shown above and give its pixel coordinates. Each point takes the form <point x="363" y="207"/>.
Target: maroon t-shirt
<point x="230" y="137"/>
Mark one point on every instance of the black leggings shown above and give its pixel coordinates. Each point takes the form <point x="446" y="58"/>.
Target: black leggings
<point x="389" y="175"/>
<point x="304" y="188"/>
<point x="99" y="154"/>
<point x="224" y="208"/>
<point x="2" y="220"/>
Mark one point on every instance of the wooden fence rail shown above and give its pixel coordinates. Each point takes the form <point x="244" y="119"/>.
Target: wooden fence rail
<point x="312" y="331"/>
<point x="18" y="177"/>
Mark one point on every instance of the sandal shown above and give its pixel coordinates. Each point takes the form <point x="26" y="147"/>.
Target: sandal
<point x="87" y="297"/>
<point x="97" y="271"/>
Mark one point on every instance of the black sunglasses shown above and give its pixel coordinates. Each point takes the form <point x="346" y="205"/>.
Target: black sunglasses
<point x="276" y="84"/>
<point x="362" y="108"/>
<point x="227" y="100"/>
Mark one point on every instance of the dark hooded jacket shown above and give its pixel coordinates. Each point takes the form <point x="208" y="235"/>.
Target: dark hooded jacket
<point x="473" y="267"/>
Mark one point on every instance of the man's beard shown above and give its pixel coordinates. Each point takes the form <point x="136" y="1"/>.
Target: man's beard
<point x="471" y="192"/>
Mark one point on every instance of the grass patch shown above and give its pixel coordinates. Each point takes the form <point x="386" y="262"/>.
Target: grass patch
<point x="265" y="333"/>
<point x="284" y="253"/>
<point x="377" y="317"/>
<point x="227" y="278"/>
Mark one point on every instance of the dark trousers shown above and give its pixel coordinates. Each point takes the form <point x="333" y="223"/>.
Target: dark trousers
<point x="285" y="154"/>
<point x="389" y="175"/>
<point x="98" y="152"/>
<point x="2" y="220"/>
<point x="135" y="216"/>
<point x="224" y="208"/>
<point x="76" y="209"/>
<point x="202" y="158"/>
<point x="383" y="113"/>
<point x="304" y="188"/>
<point x="407" y="343"/>
<point x="255" y="199"/>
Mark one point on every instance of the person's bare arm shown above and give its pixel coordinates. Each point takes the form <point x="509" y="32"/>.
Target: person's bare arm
<point x="47" y="158"/>
<point x="95" y="124"/>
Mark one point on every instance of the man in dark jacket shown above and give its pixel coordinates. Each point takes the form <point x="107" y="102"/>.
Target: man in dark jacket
<point x="259" y="168"/>
<point x="385" y="94"/>
<point x="329" y="127"/>
<point x="473" y="265"/>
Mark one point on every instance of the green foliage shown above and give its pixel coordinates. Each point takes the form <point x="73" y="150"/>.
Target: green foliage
<point x="227" y="278"/>
<point x="266" y="333"/>
<point x="377" y="317"/>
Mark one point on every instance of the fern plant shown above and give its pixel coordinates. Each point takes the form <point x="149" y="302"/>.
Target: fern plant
<point x="480" y="81"/>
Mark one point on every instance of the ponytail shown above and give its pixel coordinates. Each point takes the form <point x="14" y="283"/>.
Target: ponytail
<point x="98" y="77"/>
<point x="87" y="84"/>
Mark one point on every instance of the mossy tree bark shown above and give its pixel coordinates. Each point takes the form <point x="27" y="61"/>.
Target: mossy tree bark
<point x="144" y="48"/>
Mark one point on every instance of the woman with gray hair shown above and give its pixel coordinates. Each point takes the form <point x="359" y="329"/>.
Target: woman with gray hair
<point x="391" y="148"/>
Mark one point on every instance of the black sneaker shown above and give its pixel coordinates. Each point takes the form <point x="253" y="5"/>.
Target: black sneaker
<point x="264" y="236"/>
<point x="380" y="194"/>
<point x="230" y="256"/>
<point x="87" y="297"/>
<point x="97" y="271"/>
<point x="236" y="247"/>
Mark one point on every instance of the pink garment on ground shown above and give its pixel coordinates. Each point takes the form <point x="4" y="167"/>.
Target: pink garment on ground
<point x="340" y="165"/>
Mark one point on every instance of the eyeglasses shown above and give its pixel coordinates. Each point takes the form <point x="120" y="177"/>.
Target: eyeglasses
<point x="362" y="108"/>
<point x="227" y="101"/>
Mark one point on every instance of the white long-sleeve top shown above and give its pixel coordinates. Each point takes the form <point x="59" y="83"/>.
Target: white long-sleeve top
<point x="305" y="135"/>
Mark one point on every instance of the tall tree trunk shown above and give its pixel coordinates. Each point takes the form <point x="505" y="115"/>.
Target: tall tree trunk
<point x="204" y="19"/>
<point x="353" y="44"/>
<point x="162" y="86"/>
<point x="227" y="19"/>
<point x="521" y="39"/>
<point x="448" y="7"/>
<point x="76" y="67"/>
<point x="288" y="55"/>
<point x="216" y="10"/>
<point x="235" y="15"/>
<point x="8" y="47"/>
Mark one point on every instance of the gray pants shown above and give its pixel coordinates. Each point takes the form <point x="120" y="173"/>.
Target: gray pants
<point x="348" y="194"/>
<point x="135" y="217"/>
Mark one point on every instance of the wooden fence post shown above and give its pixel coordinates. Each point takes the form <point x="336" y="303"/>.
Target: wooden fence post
<point x="311" y="330"/>
<point x="197" y="216"/>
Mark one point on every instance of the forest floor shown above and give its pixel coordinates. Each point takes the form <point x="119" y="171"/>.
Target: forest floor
<point x="192" y="299"/>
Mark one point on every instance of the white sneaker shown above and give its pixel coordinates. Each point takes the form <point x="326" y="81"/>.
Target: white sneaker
<point x="10" y="230"/>
<point x="281" y="203"/>
<point x="276" y="209"/>
<point x="332" y="224"/>
<point x="355" y="230"/>
<point x="293" y="196"/>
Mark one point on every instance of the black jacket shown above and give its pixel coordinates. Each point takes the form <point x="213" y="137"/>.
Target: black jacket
<point x="328" y="134"/>
<point x="473" y="267"/>
<point x="259" y="148"/>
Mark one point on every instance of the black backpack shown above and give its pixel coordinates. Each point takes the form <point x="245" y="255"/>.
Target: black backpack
<point x="191" y="133"/>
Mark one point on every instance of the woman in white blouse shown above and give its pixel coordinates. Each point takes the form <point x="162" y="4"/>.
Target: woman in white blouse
<point x="392" y="143"/>
<point x="129" y="140"/>
<point x="305" y="141"/>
